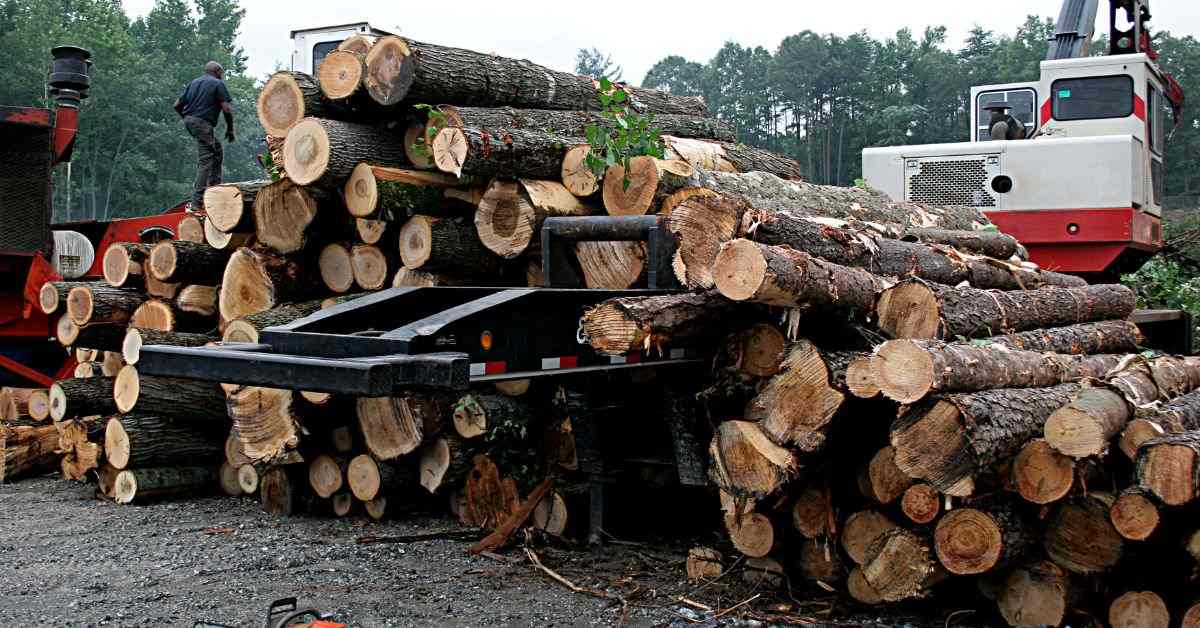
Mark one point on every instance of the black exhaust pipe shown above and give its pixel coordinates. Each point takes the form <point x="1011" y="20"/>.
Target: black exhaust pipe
<point x="70" y="75"/>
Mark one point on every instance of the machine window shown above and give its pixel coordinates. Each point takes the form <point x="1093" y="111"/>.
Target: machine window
<point x="1156" y="118"/>
<point x="1092" y="98"/>
<point x="320" y="51"/>
<point x="1023" y="106"/>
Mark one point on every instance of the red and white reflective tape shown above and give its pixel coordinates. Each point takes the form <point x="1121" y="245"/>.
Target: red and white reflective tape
<point x="632" y="358"/>
<point x="488" y="368"/>
<point x="563" y="362"/>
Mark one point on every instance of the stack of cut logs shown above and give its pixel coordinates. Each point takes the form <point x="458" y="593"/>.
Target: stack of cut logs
<point x="900" y="404"/>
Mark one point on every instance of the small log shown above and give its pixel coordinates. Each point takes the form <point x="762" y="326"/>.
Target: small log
<point x="246" y="329"/>
<point x="136" y="338"/>
<point x="1143" y="609"/>
<point x="763" y="573"/>
<point x="729" y="157"/>
<point x="510" y="153"/>
<point x="234" y="454"/>
<point x="160" y="315"/>
<point x="218" y="239"/>
<point x="248" y="479"/>
<point x="1191" y="617"/>
<point x="881" y="480"/>
<point x="369" y="265"/>
<point x="1041" y="474"/>
<point x="609" y="265"/>
<point x="1036" y="594"/>
<point x="342" y="504"/>
<point x="123" y="264"/>
<point x="227" y="479"/>
<point x="159" y="289"/>
<point x="342" y="75"/>
<point x="898" y="565"/>
<point x="176" y="261"/>
<point x="181" y="399"/>
<point x="703" y="563"/>
<point x="510" y="214"/>
<point x="101" y="303"/>
<point x="861" y="381"/>
<point x="263" y="421"/>
<point x="190" y="229"/>
<point x="396" y="426"/>
<point x="323" y="153"/>
<point x="915" y="309"/>
<point x="82" y="397"/>
<point x="861" y="530"/>
<point x="369" y="478"/>
<point x="1169" y="467"/>
<point x="921" y="503"/>
<point x="746" y="271"/>
<point x="150" y="441"/>
<point x="156" y="483"/>
<point x="112" y="364"/>
<point x="255" y="281"/>
<point x="797" y="405"/>
<point x="758" y="351"/>
<point x="374" y="191"/>
<point x="819" y="562"/>
<point x="229" y="206"/>
<point x="746" y="463"/>
<point x="444" y="462"/>
<point x="325" y="475"/>
<point x="281" y="490"/>
<point x="1137" y="432"/>
<point x="26" y="450"/>
<point x="86" y="369"/>
<point x="978" y="539"/>
<point x="289" y="97"/>
<point x="810" y="513"/>
<point x="39" y="405"/>
<point x="1080" y="538"/>
<point x="440" y="244"/>
<point x="373" y="231"/>
<point x="859" y="589"/>
<point x="336" y="268"/>
<point x="575" y="123"/>
<point x="1134" y="515"/>
<point x="53" y="294"/>
<point x="496" y="416"/>
<point x="576" y="175"/>
<point x="551" y="515"/>
<point x="650" y="181"/>
<point x="14" y="403"/>
<point x="752" y="534"/>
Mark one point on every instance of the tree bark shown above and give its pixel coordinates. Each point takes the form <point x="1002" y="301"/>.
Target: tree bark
<point x="323" y="153"/>
<point x="730" y="157"/>
<point x="982" y="538"/>
<point x="101" y="303"/>
<point x="98" y="336"/>
<point x="289" y="97"/>
<point x="123" y="264"/>
<point x="396" y="426"/>
<point x="82" y="397"/>
<point x="953" y="438"/>
<point x="162" y="482"/>
<point x="136" y="338"/>
<point x="498" y="416"/>
<point x="255" y="281"/>
<point x="511" y="153"/>
<point x="246" y="328"/>
<point x="27" y="449"/>
<point x="180" y="399"/>
<point x="797" y="405"/>
<point x="1080" y="538"/>
<point x="1041" y="474"/>
<point x="1169" y="467"/>
<point x="915" y="309"/>
<point x="441" y="244"/>
<point x="150" y="441"/>
<point x="374" y="191"/>
<point x="746" y="271"/>
<point x="575" y="123"/>
<point x="176" y="261"/>
<point x="230" y="206"/>
<point x="281" y="489"/>
<point x="746" y="463"/>
<point x="628" y="324"/>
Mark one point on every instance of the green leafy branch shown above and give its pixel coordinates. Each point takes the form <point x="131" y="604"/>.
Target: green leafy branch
<point x="627" y="134"/>
<point x="436" y="122"/>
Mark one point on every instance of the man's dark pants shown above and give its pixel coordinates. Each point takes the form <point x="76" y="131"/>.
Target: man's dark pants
<point x="208" y="166"/>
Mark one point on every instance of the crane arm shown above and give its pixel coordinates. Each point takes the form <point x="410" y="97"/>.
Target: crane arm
<point x="1074" y="30"/>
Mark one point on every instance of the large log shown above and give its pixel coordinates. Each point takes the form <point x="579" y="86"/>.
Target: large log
<point x="402" y="69"/>
<point x="512" y="153"/>
<point x="136" y="338"/>
<point x="289" y="97"/>
<point x="162" y="482"/>
<point x="180" y="399"/>
<point x="611" y="265"/>
<point x="285" y="214"/>
<point x="771" y="275"/>
<point x="626" y="324"/>
<point x="909" y="370"/>
<point x="981" y="538"/>
<point x="123" y="264"/>
<point x="324" y="152"/>
<point x="27" y="449"/>
<point x="644" y="187"/>
<point x="797" y="405"/>
<point x="150" y="441"/>
<point x="898" y="565"/>
<point x="1085" y="426"/>
<point x="263" y="421"/>
<point x="395" y="426"/>
<point x="953" y="438"/>
<point x="730" y="157"/>
<point x="1080" y="537"/>
<point x="746" y="463"/>
<point x="246" y="328"/>
<point x="1037" y="594"/>
<point x="81" y="397"/>
<point x="374" y="191"/>
<point x="101" y="303"/>
<point x="574" y="123"/>
<point x="510" y="214"/>
<point x="1169" y="467"/>
<point x="229" y="205"/>
<point x="255" y="281"/>
<point x="176" y="261"/>
<point x="441" y="244"/>
<point x="916" y="309"/>
<point x="1041" y="474"/>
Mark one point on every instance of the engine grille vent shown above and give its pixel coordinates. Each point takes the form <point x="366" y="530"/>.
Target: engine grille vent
<point x="25" y="161"/>
<point x="950" y="182"/>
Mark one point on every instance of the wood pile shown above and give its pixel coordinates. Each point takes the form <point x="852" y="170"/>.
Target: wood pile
<point x="900" y="405"/>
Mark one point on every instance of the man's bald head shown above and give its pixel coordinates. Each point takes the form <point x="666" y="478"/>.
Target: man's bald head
<point x="214" y="68"/>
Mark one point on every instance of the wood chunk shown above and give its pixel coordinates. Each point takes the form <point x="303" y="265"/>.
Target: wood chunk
<point x="811" y="513"/>
<point x="263" y="421"/>
<point x="898" y="564"/>
<point x="478" y="414"/>
<point x="440" y="244"/>
<point x="101" y="303"/>
<point x="246" y="329"/>
<point x="323" y="152"/>
<point x="123" y="264"/>
<point x="1041" y="474"/>
<point x="256" y="281"/>
<point x="177" y="261"/>
<point x="625" y="324"/>
<point x="752" y="534"/>
<point x="280" y="490"/>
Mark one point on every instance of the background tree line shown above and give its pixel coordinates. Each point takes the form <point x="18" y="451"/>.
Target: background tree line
<point x="133" y="156"/>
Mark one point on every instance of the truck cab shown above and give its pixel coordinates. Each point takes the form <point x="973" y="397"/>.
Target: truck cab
<point x="311" y="45"/>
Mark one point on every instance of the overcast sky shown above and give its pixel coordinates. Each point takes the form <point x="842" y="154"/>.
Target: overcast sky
<point x="638" y="34"/>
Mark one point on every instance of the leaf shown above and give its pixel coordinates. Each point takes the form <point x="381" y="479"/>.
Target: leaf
<point x="605" y="84"/>
<point x="620" y="96"/>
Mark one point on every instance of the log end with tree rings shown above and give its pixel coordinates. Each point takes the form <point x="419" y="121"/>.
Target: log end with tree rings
<point x="861" y="530"/>
<point x="221" y="240"/>
<point x="80" y="304"/>
<point x="363" y="477"/>
<point x="861" y="380"/>
<point x="762" y="350"/>
<point x="390" y="70"/>
<point x="115" y="264"/>
<point x="644" y="176"/>
<point x="240" y="330"/>
<point x="198" y="300"/>
<point x="1140" y="609"/>
<point x="357" y="43"/>
<point x="340" y="74"/>
<point x="283" y="212"/>
<point x="810" y="513"/>
<point x="154" y="314"/>
<point x="369" y="266"/>
<point x="861" y="590"/>
<point x="126" y="389"/>
<point x="1136" y="433"/>
<point x="190" y="229"/>
<point x="884" y="481"/>
<point x="116" y="444"/>
<point x="552" y="516"/>
<point x="1041" y="474"/>
<point x="370" y="231"/>
<point x="1080" y="537"/>
<point x="609" y="265"/>
<point x="752" y="534"/>
<point x="470" y="417"/>
<point x="1134" y="515"/>
<point x="739" y="270"/>
<point x="968" y="541"/>
<point x="246" y="287"/>
<point x="449" y="148"/>
<point x="361" y="192"/>
<point x="325" y="476"/>
<point x="227" y="478"/>
<point x="611" y="331"/>
<point x="417" y="144"/>
<point x="163" y="260"/>
<point x="1191" y="616"/>
<point x="904" y="371"/>
<point x="416" y="241"/>
<point x="909" y="310"/>
<point x="342" y="504"/>
<point x="112" y="363"/>
<point x="1168" y="471"/>
<point x="39" y="405"/>
<point x="703" y="563"/>
<point x="336" y="267"/>
<point x="1034" y="595"/>
<point x="160" y="289"/>
<point x="306" y="151"/>
<point x="675" y="199"/>
<point x="66" y="331"/>
<point x="85" y="369"/>
<point x="1078" y="428"/>
<point x="48" y="296"/>
<point x="248" y="479"/>
<point x="921" y="503"/>
<point x="897" y="565"/>
<point x="505" y="219"/>
<point x="376" y="508"/>
<point x="389" y="426"/>
<point x="224" y="206"/>
<point x="280" y="105"/>
<point x="407" y="277"/>
<point x="576" y="175"/>
<point x="746" y="462"/>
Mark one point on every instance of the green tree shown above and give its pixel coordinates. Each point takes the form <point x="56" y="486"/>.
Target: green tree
<point x="596" y="64"/>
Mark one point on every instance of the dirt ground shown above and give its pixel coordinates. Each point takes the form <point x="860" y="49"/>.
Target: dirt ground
<point x="72" y="560"/>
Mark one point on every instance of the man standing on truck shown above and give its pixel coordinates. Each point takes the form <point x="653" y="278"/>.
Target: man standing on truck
<point x="198" y="106"/>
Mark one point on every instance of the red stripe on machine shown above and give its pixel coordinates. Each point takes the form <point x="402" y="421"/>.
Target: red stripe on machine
<point x="1139" y="107"/>
<point x="565" y="362"/>
<point x="1047" y="111"/>
<point x="488" y="368"/>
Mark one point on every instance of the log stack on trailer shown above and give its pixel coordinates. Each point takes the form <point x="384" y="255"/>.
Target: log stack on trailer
<point x="894" y="403"/>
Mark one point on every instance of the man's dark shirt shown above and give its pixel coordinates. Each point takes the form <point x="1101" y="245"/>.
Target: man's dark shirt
<point x="202" y="98"/>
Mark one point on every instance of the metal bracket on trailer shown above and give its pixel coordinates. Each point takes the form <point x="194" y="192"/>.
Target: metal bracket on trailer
<point x="559" y="233"/>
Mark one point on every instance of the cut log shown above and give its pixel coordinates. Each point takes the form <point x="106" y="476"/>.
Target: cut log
<point x="1041" y="474"/>
<point x="198" y="300"/>
<point x="1036" y="594"/>
<point x="159" y="289"/>
<point x="441" y="244"/>
<point x="819" y="562"/>
<point x="136" y="338"/>
<point x="101" y="303"/>
<point x="978" y="539"/>
<point x="1139" y="609"/>
<point x="176" y="261"/>
<point x="1191" y="617"/>
<point x="859" y="589"/>
<point x="227" y="479"/>
<point x="323" y="153"/>
<point x="281" y="490"/>
<point x="746" y="463"/>
<point x="496" y="416"/>
<point x="1080" y="538"/>
<point x="369" y="265"/>
<point x="952" y="439"/>
<point x="100" y="336"/>
<point x="162" y="483"/>
<point x="150" y="441"/>
<point x="444" y="462"/>
<point x="373" y="231"/>
<point x="26" y="450"/>
<point x="81" y="354"/>
<point x="915" y="309"/>
<point x="861" y="381"/>
<point x="703" y="563"/>
<point x="288" y="98"/>
<point x="402" y="69"/>
<point x="39" y="405"/>
<point x="1137" y="433"/>
<point x="255" y="281"/>
<point x="395" y="426"/>
<point x="575" y="173"/>
<point x="575" y="123"/>
<point x="82" y="397"/>
<point x="85" y="369"/>
<point x="14" y="403"/>
<point x="701" y="221"/>
<point x="53" y="294"/>
<point x="181" y="399"/>
<point x="248" y="479"/>
<point x="342" y="504"/>
<point x="263" y="421"/>
<point x="411" y="278"/>
<point x="758" y="351"/>
<point x="342" y="75"/>
<point x="284" y="215"/>
<point x="861" y="530"/>
<point x="644" y="187"/>
<point x="511" y="153"/>
<point x="488" y="499"/>
<point x="610" y="265"/>
<point x="881" y="480"/>
<point x="910" y="370"/>
<point x="190" y="229"/>
<point x="369" y="478"/>
<point x="746" y="271"/>
<point x="234" y="454"/>
<point x="921" y="503"/>
<point x="797" y="406"/>
<point x="898" y="565"/>
<point x="246" y="329"/>
<point x="510" y="214"/>
<point x="325" y="476"/>
<point x="123" y="264"/>
<point x="1134" y="515"/>
<point x="230" y="206"/>
<point x="1169" y="467"/>
<point x="729" y="156"/>
<point x="811" y="513"/>
<point x="752" y="534"/>
<point x="162" y="315"/>
<point x="112" y="363"/>
<point x="374" y="191"/>
<point x="218" y="239"/>
<point x="337" y="272"/>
